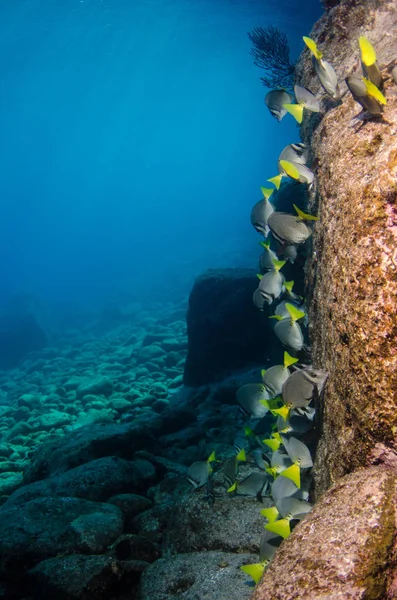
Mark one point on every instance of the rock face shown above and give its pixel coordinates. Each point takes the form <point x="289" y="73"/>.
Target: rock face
<point x="343" y="548"/>
<point x="225" y="330"/>
<point x="352" y="275"/>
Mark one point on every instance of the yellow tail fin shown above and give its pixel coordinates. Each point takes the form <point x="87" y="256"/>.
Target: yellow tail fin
<point x="295" y="313"/>
<point x="276" y="181"/>
<point x="270" y="514"/>
<point x="281" y="527"/>
<point x="255" y="570"/>
<point x="294" y="473"/>
<point x="267" y="192"/>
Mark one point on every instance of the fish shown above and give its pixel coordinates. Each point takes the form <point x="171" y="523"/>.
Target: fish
<point x="289" y="252"/>
<point x="282" y="488"/>
<point x="295" y="423"/>
<point x="286" y="169"/>
<point x="248" y="397"/>
<point x="255" y="570"/>
<point x="268" y="545"/>
<point x="302" y="386"/>
<point x="289" y="509"/>
<point x="298" y="452"/>
<point x="274" y="377"/>
<point x="199" y="471"/>
<point x="394" y="74"/>
<point x="280" y="461"/>
<point x="305" y="174"/>
<point x="304" y="99"/>
<point x="323" y="69"/>
<point x="274" y="101"/>
<point x="288" y="330"/>
<point x="257" y="455"/>
<point x="271" y="283"/>
<point x="295" y="153"/>
<point x="366" y="94"/>
<point x="368" y="62"/>
<point x="267" y="258"/>
<point x="252" y="485"/>
<point x="290" y="229"/>
<point x="258" y="300"/>
<point x="231" y="467"/>
<point x="261" y="211"/>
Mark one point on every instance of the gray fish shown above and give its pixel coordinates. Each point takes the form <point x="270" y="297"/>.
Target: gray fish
<point x="274" y="101"/>
<point x="293" y="508"/>
<point x="360" y="94"/>
<point x="267" y="258"/>
<point x="249" y="396"/>
<point x="305" y="97"/>
<point x="394" y="74"/>
<point x="274" y="378"/>
<point x="280" y="461"/>
<point x="295" y="423"/>
<point x="198" y="473"/>
<point x="257" y="455"/>
<point x="368" y="62"/>
<point x="372" y="72"/>
<point x="327" y="76"/>
<point x="289" y="251"/>
<point x="260" y="213"/>
<point x="230" y="470"/>
<point x="282" y="311"/>
<point x="271" y="285"/>
<point x="282" y="488"/>
<point x="258" y="300"/>
<point x="298" y="452"/>
<point x="305" y="174"/>
<point x="252" y="485"/>
<point x="295" y="153"/>
<point x="289" y="229"/>
<point x="290" y="334"/>
<point x="268" y="545"/>
<point x="301" y="387"/>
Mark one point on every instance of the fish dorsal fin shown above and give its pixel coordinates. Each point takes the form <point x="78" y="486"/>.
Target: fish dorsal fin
<point x="311" y="44"/>
<point x="289" y="285"/>
<point x="290" y="169"/>
<point x="270" y="514"/>
<point x="296" y="110"/>
<point x="277" y="436"/>
<point x="289" y="360"/>
<point x="281" y="527"/>
<point x="295" y="313"/>
<point x="255" y="570"/>
<point x="278" y="264"/>
<point x="304" y="216"/>
<point x="267" y="192"/>
<point x="373" y="91"/>
<point x="241" y="456"/>
<point x="368" y="54"/>
<point x="277" y="317"/>
<point x="259" y="276"/>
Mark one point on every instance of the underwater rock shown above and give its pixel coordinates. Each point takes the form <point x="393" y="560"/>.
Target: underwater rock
<point x="198" y="526"/>
<point x="101" y="385"/>
<point x="23" y="337"/>
<point x="97" y="480"/>
<point x="134" y="547"/>
<point x="76" y="577"/>
<point x="225" y="330"/>
<point x="87" y="444"/>
<point x="45" y="527"/>
<point x="343" y="548"/>
<point x="130" y="505"/>
<point x="352" y="275"/>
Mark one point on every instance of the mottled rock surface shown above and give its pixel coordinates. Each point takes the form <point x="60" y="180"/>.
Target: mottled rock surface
<point x="225" y="330"/>
<point x="352" y="276"/>
<point x="343" y="548"/>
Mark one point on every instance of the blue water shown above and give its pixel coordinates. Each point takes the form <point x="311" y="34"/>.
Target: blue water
<point x="134" y="139"/>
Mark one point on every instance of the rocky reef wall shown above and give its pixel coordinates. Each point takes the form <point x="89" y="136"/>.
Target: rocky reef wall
<point x="352" y="275"/>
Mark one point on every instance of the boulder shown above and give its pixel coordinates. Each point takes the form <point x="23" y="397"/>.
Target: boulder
<point x="344" y="548"/>
<point x="225" y="330"/>
<point x="96" y="480"/>
<point x="46" y="527"/>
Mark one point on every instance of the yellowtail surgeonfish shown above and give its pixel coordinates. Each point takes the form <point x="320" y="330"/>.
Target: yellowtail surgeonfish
<point x="291" y="229"/>
<point x="268" y="545"/>
<point x="366" y="94"/>
<point x="267" y="258"/>
<point x="274" y="101"/>
<point x="304" y="99"/>
<point x="301" y="386"/>
<point x="288" y="509"/>
<point x="261" y="211"/>
<point x="285" y="169"/>
<point x="248" y="397"/>
<point x="368" y="62"/>
<point x="253" y="485"/>
<point x="288" y="330"/>
<point x="295" y="153"/>
<point x="324" y="71"/>
<point x="274" y="377"/>
<point x="200" y="470"/>
<point x="271" y="283"/>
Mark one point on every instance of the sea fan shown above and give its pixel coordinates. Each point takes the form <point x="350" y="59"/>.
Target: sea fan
<point x="271" y="52"/>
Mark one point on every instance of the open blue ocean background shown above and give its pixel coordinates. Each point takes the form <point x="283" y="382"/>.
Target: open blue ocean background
<point x="134" y="140"/>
